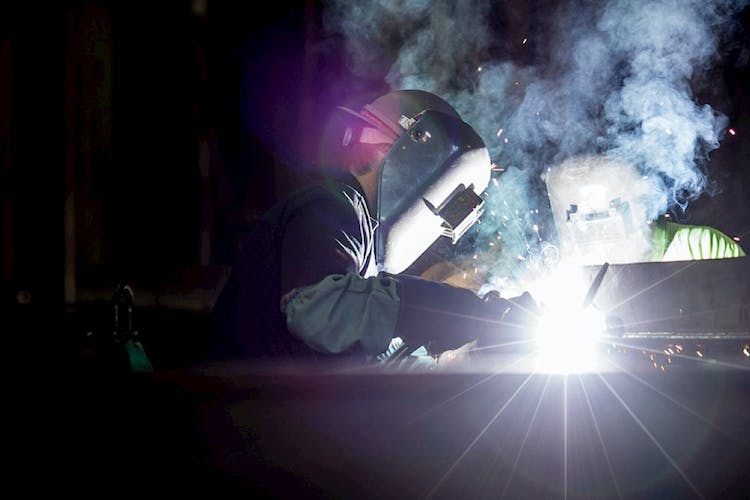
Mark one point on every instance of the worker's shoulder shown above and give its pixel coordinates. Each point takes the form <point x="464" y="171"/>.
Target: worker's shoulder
<point x="329" y="198"/>
<point x="705" y="241"/>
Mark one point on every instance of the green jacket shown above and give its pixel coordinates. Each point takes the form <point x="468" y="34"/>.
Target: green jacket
<point x="673" y="241"/>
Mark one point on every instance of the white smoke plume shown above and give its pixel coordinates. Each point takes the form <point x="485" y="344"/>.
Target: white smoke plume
<point x="614" y="78"/>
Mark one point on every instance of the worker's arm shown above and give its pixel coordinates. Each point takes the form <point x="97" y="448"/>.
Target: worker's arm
<point x="332" y="306"/>
<point x="343" y="310"/>
<point x="325" y="252"/>
<point x="445" y="317"/>
<point x="700" y="242"/>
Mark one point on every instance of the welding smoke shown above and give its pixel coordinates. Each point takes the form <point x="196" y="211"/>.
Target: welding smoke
<point x="612" y="78"/>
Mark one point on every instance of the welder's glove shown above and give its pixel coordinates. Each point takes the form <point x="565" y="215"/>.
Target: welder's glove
<point x="521" y="312"/>
<point x="442" y="317"/>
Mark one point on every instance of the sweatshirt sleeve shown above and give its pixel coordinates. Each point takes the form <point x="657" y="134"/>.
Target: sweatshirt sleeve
<point x="343" y="311"/>
<point x="701" y="242"/>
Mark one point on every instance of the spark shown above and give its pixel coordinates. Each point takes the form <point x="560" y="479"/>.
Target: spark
<point x="479" y="68"/>
<point x="497" y="184"/>
<point x="736" y="238"/>
<point x="535" y="227"/>
<point x="499" y="132"/>
<point x="505" y="140"/>
<point x="652" y="438"/>
<point x="746" y="351"/>
<point x="668" y="131"/>
<point x="479" y="436"/>
<point x="732" y="131"/>
<point x="699" y="353"/>
<point x="524" y="41"/>
<point x="684" y="356"/>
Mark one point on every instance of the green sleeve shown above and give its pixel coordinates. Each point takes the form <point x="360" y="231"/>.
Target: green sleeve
<point x="344" y="310"/>
<point x="700" y="242"/>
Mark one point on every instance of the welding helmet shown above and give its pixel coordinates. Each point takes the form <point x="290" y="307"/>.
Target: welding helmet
<point x="599" y="205"/>
<point x="432" y="176"/>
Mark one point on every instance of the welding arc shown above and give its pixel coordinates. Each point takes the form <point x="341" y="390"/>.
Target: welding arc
<point x="595" y="285"/>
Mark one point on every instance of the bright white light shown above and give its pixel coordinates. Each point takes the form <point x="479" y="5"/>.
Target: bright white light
<point x="567" y="340"/>
<point x="568" y="334"/>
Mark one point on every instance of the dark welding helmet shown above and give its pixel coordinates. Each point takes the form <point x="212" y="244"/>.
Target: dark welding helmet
<point x="432" y="176"/>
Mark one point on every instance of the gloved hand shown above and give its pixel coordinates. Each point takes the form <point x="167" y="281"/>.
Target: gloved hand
<point x="442" y="317"/>
<point x="520" y="314"/>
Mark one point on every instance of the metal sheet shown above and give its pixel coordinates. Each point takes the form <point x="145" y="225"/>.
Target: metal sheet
<point x="690" y="298"/>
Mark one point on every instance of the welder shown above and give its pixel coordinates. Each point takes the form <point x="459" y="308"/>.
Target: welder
<point x="322" y="273"/>
<point x="606" y="210"/>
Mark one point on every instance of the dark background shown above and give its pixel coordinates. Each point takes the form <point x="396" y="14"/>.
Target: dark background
<point x="138" y="142"/>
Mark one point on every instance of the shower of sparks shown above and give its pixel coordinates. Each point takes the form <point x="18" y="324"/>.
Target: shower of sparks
<point x="652" y="438"/>
<point x="601" y="438"/>
<point x="479" y="436"/>
<point x="713" y="362"/>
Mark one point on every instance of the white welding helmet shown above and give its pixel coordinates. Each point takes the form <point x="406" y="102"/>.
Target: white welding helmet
<point x="432" y="176"/>
<point x="599" y="205"/>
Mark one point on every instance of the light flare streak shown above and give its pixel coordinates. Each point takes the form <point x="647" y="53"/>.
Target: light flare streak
<point x="459" y="394"/>
<point x="653" y="439"/>
<point x="525" y="438"/>
<point x="479" y="436"/>
<point x="601" y="438"/>
<point x="674" y="401"/>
